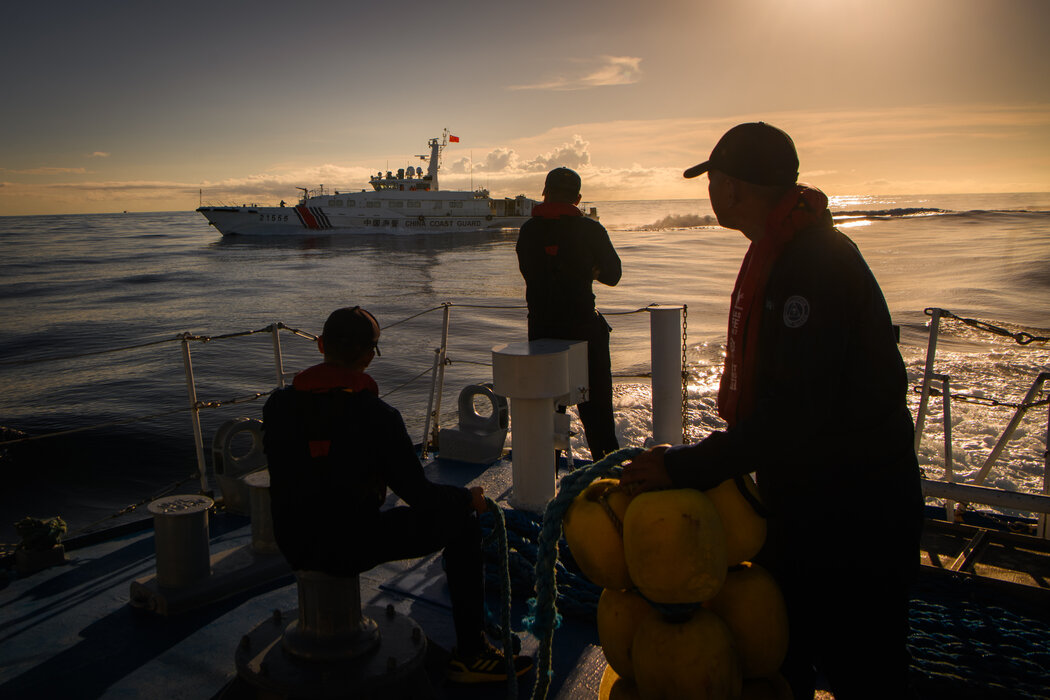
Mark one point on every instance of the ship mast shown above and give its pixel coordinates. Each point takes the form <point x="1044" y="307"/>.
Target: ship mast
<point x="433" y="160"/>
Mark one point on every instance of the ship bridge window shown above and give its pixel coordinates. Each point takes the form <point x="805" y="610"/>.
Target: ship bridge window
<point x="413" y="204"/>
<point x="455" y="205"/>
<point x="395" y="204"/>
<point x="335" y="202"/>
<point x="351" y="203"/>
<point x="437" y="205"/>
<point x="373" y="204"/>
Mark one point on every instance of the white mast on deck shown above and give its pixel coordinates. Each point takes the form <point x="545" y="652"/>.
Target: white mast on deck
<point x="436" y="147"/>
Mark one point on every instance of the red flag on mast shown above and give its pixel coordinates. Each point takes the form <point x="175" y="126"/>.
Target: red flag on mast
<point x="453" y="139"/>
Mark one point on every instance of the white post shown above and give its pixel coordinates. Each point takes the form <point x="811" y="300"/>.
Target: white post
<point x="532" y="462"/>
<point x="533" y="376"/>
<point x="931" y="351"/>
<point x="949" y="467"/>
<point x="278" y="358"/>
<point x="1043" y="529"/>
<point x="195" y="417"/>
<point x="665" y="328"/>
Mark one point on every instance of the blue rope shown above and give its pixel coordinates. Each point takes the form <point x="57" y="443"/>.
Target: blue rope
<point x="500" y="533"/>
<point x="544" y="617"/>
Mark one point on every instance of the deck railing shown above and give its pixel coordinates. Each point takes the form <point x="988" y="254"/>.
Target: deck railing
<point x="952" y="491"/>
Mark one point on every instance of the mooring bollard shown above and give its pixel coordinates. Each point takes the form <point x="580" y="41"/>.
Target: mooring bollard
<point x="180" y="527"/>
<point x="330" y="624"/>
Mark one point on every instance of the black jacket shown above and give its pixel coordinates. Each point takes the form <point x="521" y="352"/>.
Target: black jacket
<point x="558" y="257"/>
<point x="830" y="414"/>
<point x="322" y="503"/>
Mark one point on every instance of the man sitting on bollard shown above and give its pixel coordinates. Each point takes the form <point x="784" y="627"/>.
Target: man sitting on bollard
<point x="333" y="448"/>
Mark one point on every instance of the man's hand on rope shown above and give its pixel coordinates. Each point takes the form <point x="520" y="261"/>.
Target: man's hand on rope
<point x="477" y="499"/>
<point x="646" y="472"/>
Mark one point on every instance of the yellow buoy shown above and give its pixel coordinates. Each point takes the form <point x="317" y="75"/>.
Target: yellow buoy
<point x="616" y="687"/>
<point x="693" y="659"/>
<point x="619" y="614"/>
<point x="752" y="605"/>
<point x="745" y="529"/>
<point x="592" y="529"/>
<point x="675" y="546"/>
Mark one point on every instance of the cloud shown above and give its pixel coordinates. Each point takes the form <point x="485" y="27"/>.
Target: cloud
<point x="573" y="154"/>
<point x="497" y="160"/>
<point x="611" y="70"/>
<point x="913" y="150"/>
<point x="570" y="155"/>
<point x="47" y="171"/>
<point x="618" y="70"/>
<point x="98" y="154"/>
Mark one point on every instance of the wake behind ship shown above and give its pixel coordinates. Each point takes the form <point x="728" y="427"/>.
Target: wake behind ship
<point x="408" y="201"/>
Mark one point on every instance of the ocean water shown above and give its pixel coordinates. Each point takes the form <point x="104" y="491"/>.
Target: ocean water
<point x="77" y="290"/>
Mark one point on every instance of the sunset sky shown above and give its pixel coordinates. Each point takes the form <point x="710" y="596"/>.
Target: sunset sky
<point x="131" y="105"/>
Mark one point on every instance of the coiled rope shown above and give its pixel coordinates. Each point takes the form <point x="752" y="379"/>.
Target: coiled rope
<point x="499" y="535"/>
<point x="544" y="617"/>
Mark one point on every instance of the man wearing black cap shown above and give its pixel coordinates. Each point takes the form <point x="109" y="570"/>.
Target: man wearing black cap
<point x="333" y="448"/>
<point x="813" y="395"/>
<point x="560" y="253"/>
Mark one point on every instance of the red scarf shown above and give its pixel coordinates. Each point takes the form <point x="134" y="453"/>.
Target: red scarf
<point x="556" y="210"/>
<point x="801" y="207"/>
<point x="324" y="377"/>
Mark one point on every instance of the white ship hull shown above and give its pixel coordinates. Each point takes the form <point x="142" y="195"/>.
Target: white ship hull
<point x="311" y="221"/>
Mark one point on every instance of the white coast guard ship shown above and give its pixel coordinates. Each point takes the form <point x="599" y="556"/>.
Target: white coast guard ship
<point x="408" y="201"/>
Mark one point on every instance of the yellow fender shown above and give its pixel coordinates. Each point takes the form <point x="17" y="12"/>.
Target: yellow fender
<point x="695" y="659"/>
<point x="592" y="527"/>
<point x="619" y="614"/>
<point x="745" y="528"/>
<point x="675" y="546"/>
<point x="752" y="605"/>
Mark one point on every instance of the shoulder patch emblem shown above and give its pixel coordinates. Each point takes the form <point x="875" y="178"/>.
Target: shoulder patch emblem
<point x="796" y="311"/>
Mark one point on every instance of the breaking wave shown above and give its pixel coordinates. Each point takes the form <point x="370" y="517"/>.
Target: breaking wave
<point x="681" y="221"/>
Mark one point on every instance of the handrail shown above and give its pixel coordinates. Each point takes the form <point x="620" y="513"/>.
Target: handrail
<point x="975" y="492"/>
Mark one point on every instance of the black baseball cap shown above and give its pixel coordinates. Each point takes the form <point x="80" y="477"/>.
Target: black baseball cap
<point x="351" y="329"/>
<point x="754" y="152"/>
<point x="563" y="179"/>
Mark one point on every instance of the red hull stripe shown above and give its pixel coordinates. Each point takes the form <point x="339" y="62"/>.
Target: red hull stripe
<point x="307" y="217"/>
<point x="322" y="218"/>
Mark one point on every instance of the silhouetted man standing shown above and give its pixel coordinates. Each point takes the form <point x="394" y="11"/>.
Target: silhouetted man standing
<point x="560" y="253"/>
<point x="814" y="395"/>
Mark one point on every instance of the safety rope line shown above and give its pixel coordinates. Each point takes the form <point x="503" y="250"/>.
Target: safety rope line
<point x="628" y="313"/>
<point x="488" y="306"/>
<point x="409" y="318"/>
<point x="413" y="379"/>
<point x="135" y="506"/>
<point x="1020" y="337"/>
<point x="134" y="419"/>
<point x="177" y="338"/>
<point x="544" y="616"/>
<point x="187" y="336"/>
<point x="92" y="427"/>
<point x="59" y="358"/>
<point x="981" y="401"/>
<point x="499" y="533"/>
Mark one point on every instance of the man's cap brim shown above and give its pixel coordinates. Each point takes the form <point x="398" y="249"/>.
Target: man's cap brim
<point x="697" y="169"/>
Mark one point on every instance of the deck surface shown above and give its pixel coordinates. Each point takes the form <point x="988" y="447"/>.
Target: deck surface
<point x="69" y="631"/>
